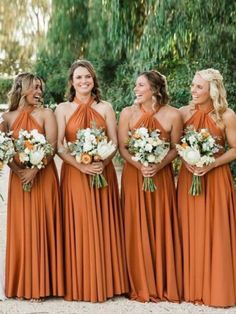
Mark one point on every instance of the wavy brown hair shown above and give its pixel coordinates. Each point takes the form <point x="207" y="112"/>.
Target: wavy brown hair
<point x="22" y="84"/>
<point x="158" y="85"/>
<point x="88" y="65"/>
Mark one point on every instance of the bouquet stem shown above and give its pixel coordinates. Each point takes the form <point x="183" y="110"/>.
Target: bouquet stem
<point x="27" y="187"/>
<point x="196" y="186"/>
<point x="148" y="184"/>
<point x="98" y="181"/>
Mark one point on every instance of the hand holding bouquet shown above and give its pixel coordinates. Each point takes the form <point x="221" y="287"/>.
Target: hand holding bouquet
<point x="33" y="150"/>
<point x="147" y="147"/>
<point x="197" y="149"/>
<point x="90" y="146"/>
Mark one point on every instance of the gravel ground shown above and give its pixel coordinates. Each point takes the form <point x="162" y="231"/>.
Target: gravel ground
<point x="119" y="305"/>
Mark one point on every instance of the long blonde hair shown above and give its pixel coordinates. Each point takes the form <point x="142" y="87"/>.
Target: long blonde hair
<point x="217" y="92"/>
<point x="20" y="89"/>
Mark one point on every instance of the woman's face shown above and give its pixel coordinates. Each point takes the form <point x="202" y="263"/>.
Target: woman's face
<point x="34" y="94"/>
<point x="143" y="90"/>
<point x="200" y="90"/>
<point x="82" y="81"/>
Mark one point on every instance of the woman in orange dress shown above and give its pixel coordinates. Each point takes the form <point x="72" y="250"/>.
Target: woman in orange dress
<point x="150" y="218"/>
<point x="208" y="221"/>
<point x="93" y="232"/>
<point x="34" y="257"/>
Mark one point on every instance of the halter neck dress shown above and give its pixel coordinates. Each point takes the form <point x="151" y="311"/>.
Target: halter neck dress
<point x="93" y="229"/>
<point x="151" y="229"/>
<point x="208" y="228"/>
<point x="34" y="252"/>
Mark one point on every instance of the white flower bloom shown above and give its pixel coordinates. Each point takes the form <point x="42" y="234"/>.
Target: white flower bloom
<point x="87" y="147"/>
<point x="191" y="156"/>
<point x="148" y="147"/>
<point x="2" y="138"/>
<point x="151" y="158"/>
<point x="36" y="157"/>
<point x="192" y="139"/>
<point x="142" y="131"/>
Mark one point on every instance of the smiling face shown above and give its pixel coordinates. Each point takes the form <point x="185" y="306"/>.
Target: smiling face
<point x="200" y="90"/>
<point x="34" y="94"/>
<point x="82" y="81"/>
<point x="143" y="90"/>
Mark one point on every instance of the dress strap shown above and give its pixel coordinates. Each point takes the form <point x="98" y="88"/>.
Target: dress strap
<point x="150" y="112"/>
<point x="206" y="110"/>
<point x="86" y="104"/>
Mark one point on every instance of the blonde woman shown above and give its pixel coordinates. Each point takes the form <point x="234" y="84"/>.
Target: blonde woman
<point x="34" y="265"/>
<point x="208" y="221"/>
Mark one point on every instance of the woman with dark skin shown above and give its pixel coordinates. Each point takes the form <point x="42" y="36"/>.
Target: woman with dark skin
<point x="34" y="257"/>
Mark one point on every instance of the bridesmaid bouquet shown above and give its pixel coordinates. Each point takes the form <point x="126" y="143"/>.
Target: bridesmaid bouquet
<point x="33" y="150"/>
<point x="146" y="147"/>
<point x="90" y="146"/>
<point x="197" y="148"/>
<point x="7" y="150"/>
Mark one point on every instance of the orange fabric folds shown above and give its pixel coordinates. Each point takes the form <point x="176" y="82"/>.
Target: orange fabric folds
<point x="94" y="245"/>
<point x="34" y="258"/>
<point x="151" y="231"/>
<point x="208" y="230"/>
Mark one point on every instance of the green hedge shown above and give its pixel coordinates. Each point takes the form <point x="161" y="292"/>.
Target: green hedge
<point x="5" y="86"/>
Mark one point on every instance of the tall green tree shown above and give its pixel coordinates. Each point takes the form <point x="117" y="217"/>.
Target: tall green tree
<point x="23" y="25"/>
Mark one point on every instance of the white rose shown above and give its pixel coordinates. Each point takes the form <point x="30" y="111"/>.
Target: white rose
<point x="36" y="157"/>
<point x="151" y="158"/>
<point x="191" y="156"/>
<point x="142" y="131"/>
<point x="148" y="148"/>
<point x="87" y="147"/>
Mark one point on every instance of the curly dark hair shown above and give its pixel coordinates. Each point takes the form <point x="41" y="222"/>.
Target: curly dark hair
<point x="159" y="86"/>
<point x="20" y="88"/>
<point x="86" y="64"/>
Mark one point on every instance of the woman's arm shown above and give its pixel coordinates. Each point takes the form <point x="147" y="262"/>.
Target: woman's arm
<point x="123" y="131"/>
<point x="63" y="151"/>
<point x="111" y="129"/>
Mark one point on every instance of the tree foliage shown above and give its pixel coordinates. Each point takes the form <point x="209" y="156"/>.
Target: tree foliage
<point x="23" y="26"/>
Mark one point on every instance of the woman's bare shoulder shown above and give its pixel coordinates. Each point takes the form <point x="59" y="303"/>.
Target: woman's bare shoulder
<point x="63" y="106"/>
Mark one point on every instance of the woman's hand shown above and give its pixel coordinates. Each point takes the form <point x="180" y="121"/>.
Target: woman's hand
<point x="27" y="175"/>
<point x="92" y="169"/>
<point x="150" y="170"/>
<point x="189" y="167"/>
<point x="201" y="171"/>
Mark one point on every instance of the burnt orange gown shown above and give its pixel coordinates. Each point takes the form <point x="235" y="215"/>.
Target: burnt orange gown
<point x="34" y="256"/>
<point x="151" y="230"/>
<point x="94" y="244"/>
<point x="208" y="229"/>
